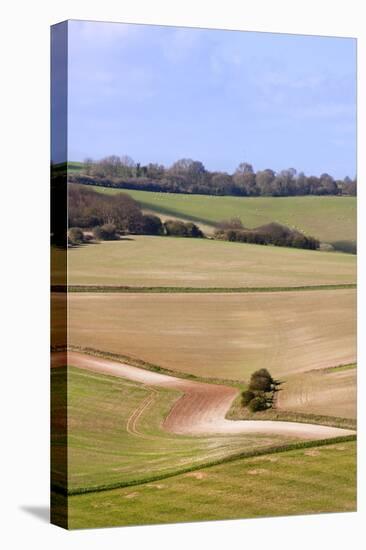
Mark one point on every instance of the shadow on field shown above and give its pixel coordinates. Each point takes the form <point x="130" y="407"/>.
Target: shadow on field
<point x="40" y="512"/>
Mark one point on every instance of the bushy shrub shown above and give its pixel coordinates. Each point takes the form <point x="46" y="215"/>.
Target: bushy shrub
<point x="271" y="233"/>
<point x="178" y="228"/>
<point x="75" y="236"/>
<point x="259" y="403"/>
<point x="106" y="232"/>
<point x="246" y="397"/>
<point x="87" y="208"/>
<point x="193" y="230"/>
<point x="175" y="228"/>
<point x="261" y="380"/>
<point x="152" y="225"/>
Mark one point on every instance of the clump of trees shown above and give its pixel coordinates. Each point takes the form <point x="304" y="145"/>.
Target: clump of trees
<point x="261" y="391"/>
<point x="152" y="225"/>
<point x="112" y="215"/>
<point x="190" y="176"/>
<point x="178" y="228"/>
<point x="109" y="216"/>
<point x="259" y="403"/>
<point x="88" y="208"/>
<point x="272" y="233"/>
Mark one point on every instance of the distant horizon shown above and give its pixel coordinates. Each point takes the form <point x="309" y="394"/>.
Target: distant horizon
<point x="162" y="93"/>
<point x="352" y="177"/>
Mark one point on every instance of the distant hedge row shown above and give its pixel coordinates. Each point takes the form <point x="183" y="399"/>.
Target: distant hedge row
<point x="272" y="233"/>
<point x="191" y="176"/>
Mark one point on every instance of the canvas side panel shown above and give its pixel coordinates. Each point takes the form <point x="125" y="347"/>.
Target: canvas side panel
<point x="59" y="462"/>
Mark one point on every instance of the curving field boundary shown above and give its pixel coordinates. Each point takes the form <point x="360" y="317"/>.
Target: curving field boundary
<point x="201" y="409"/>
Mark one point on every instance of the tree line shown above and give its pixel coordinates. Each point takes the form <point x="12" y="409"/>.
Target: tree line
<point x="191" y="176"/>
<point x="109" y="216"/>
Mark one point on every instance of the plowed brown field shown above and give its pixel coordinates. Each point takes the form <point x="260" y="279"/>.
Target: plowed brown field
<point x="202" y="408"/>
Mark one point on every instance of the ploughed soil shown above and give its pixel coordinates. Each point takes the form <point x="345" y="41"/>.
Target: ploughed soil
<point x="202" y="407"/>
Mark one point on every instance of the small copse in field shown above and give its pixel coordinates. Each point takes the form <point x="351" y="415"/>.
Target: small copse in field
<point x="176" y="228"/>
<point x="110" y="216"/>
<point x="271" y="233"/>
<point x="262" y="388"/>
<point x="88" y="209"/>
<point x="261" y="380"/>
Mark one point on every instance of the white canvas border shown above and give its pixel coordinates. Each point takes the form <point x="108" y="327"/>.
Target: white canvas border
<point x="25" y="271"/>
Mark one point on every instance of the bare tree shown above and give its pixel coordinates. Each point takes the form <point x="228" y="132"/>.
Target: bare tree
<point x="88" y="165"/>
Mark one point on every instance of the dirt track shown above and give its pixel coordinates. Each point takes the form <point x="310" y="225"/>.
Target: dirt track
<point x="202" y="408"/>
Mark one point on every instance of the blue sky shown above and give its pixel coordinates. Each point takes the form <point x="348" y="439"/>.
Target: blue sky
<point x="159" y="94"/>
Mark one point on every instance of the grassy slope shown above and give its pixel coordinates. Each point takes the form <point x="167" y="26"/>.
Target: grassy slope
<point x="106" y="446"/>
<point x="75" y="167"/>
<point x="326" y="218"/>
<point x="293" y="482"/>
<point x="174" y="262"/>
<point x="220" y="335"/>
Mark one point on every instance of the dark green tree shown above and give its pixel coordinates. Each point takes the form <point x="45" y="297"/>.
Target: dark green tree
<point x="246" y="397"/>
<point x="259" y="403"/>
<point x="261" y="380"/>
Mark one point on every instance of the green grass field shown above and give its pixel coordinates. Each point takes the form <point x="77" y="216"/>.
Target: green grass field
<point x="170" y="261"/>
<point x="295" y="482"/>
<point x="220" y="335"/>
<point x="326" y="218"/>
<point x="116" y="441"/>
<point x="115" y="433"/>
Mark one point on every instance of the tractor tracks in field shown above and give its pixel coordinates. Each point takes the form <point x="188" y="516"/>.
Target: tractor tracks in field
<point x="202" y="407"/>
<point x="133" y="419"/>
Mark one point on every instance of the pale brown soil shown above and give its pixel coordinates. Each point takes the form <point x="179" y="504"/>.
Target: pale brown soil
<point x="224" y="336"/>
<point x="202" y="408"/>
<point x="329" y="392"/>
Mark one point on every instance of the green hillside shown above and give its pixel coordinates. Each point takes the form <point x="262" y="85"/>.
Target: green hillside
<point x="303" y="481"/>
<point x="328" y="218"/>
